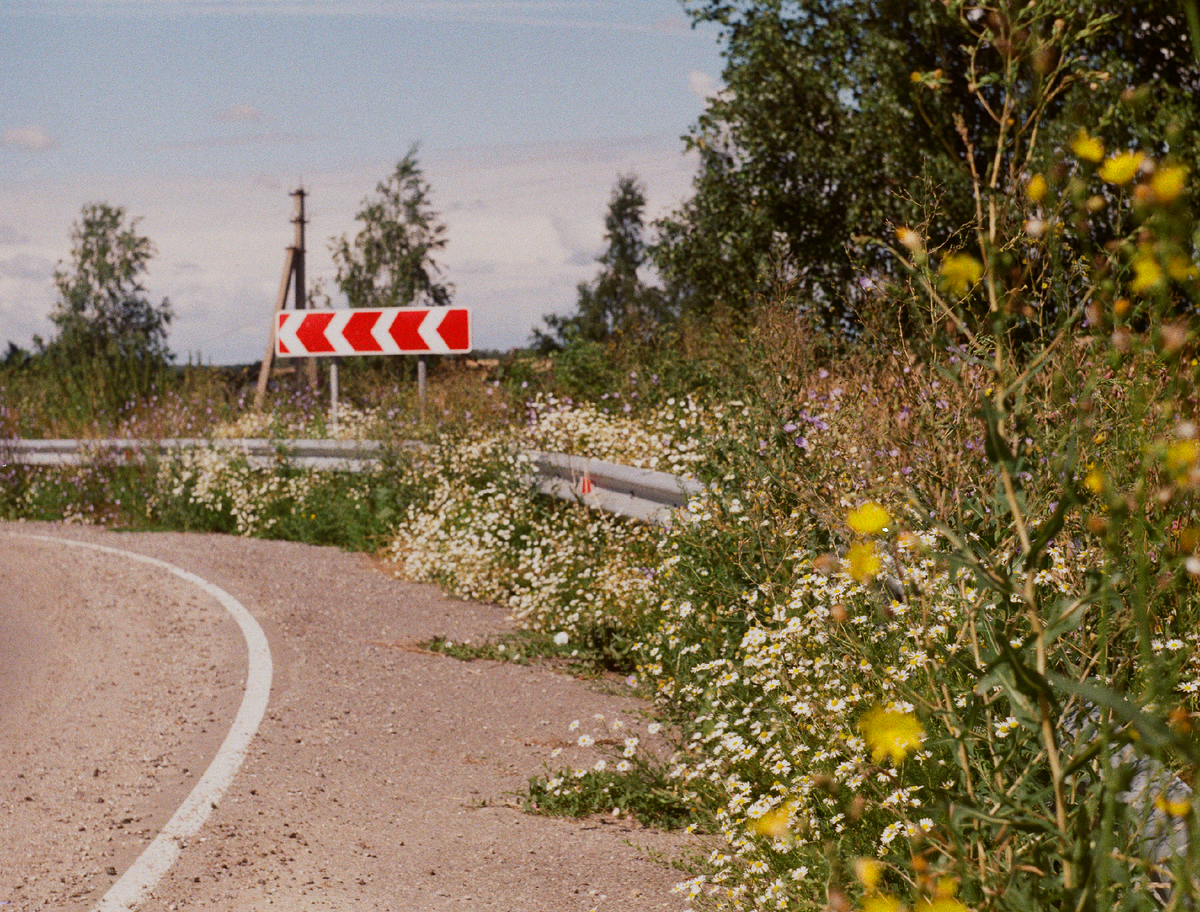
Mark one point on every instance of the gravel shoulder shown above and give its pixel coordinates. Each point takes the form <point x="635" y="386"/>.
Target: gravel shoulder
<point x="381" y="777"/>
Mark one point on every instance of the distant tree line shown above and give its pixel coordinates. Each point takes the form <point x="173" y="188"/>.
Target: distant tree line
<point x="839" y="121"/>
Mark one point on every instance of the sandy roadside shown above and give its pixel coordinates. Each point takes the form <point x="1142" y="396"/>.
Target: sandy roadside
<point x="379" y="778"/>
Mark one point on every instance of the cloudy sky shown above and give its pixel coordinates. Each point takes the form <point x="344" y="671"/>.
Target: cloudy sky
<point x="200" y="117"/>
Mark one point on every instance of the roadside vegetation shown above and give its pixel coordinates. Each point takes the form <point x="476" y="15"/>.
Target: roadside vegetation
<point x="930" y="639"/>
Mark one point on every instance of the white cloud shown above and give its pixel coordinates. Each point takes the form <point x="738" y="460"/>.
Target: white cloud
<point x="701" y="85"/>
<point x="27" y="267"/>
<point x="241" y="113"/>
<point x="29" y="138"/>
<point x="230" y="142"/>
<point x="10" y="234"/>
<point x="672" y="25"/>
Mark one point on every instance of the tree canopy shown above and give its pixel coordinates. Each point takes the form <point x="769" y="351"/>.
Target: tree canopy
<point x="390" y="262"/>
<point x="103" y="309"/>
<point x="616" y="302"/>
<point x="843" y="119"/>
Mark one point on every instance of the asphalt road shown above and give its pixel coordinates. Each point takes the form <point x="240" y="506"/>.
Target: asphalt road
<point x="381" y="775"/>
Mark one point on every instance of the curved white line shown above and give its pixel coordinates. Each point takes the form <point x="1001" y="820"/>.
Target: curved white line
<point x="144" y="874"/>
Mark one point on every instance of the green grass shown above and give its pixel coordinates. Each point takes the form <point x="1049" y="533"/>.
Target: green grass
<point x="644" y="792"/>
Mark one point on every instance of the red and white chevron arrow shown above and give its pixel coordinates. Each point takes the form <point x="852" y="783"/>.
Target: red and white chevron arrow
<point x="380" y="331"/>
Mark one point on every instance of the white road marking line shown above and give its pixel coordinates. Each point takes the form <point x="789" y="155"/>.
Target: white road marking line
<point x="144" y="874"/>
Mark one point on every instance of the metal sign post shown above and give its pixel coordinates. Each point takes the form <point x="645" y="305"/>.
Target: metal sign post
<point x="309" y="334"/>
<point x="333" y="395"/>
<point x="421" y="388"/>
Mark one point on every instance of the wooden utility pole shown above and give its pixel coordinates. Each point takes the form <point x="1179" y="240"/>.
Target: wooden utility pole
<point x="293" y="277"/>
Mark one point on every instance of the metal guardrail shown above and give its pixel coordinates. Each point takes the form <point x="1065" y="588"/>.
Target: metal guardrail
<point x="317" y="454"/>
<point x="641" y="494"/>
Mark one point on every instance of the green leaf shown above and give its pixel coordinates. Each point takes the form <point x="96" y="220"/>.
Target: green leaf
<point x="1023" y="686"/>
<point x="1154" y="735"/>
<point x="1066" y="620"/>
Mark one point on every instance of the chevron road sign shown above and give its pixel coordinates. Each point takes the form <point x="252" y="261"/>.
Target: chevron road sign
<point x="380" y="331"/>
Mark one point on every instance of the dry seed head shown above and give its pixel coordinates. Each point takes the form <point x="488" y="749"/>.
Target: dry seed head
<point x="1045" y="59"/>
<point x="1189" y="537"/>
<point x="1181" y="721"/>
<point x="1173" y="336"/>
<point x="838" y="900"/>
<point x="909" y="239"/>
<point x="827" y="564"/>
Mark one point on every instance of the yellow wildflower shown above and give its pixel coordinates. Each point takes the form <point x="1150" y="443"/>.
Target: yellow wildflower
<point x="959" y="272"/>
<point x="1180" y="807"/>
<point x="1087" y="147"/>
<point x="1037" y="188"/>
<point x="1180" y="268"/>
<point x="881" y="902"/>
<point x="1181" y="456"/>
<point x="863" y="561"/>
<point x="942" y="904"/>
<point x="1168" y="182"/>
<point x="1147" y="274"/>
<point x="1095" y="481"/>
<point x="869" y="872"/>
<point x="1122" y="167"/>
<point x="945" y="888"/>
<point x="869" y="519"/>
<point x="891" y="733"/>
<point x="775" y="823"/>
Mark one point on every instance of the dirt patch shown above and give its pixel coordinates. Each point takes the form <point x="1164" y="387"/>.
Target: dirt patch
<point x="380" y="778"/>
